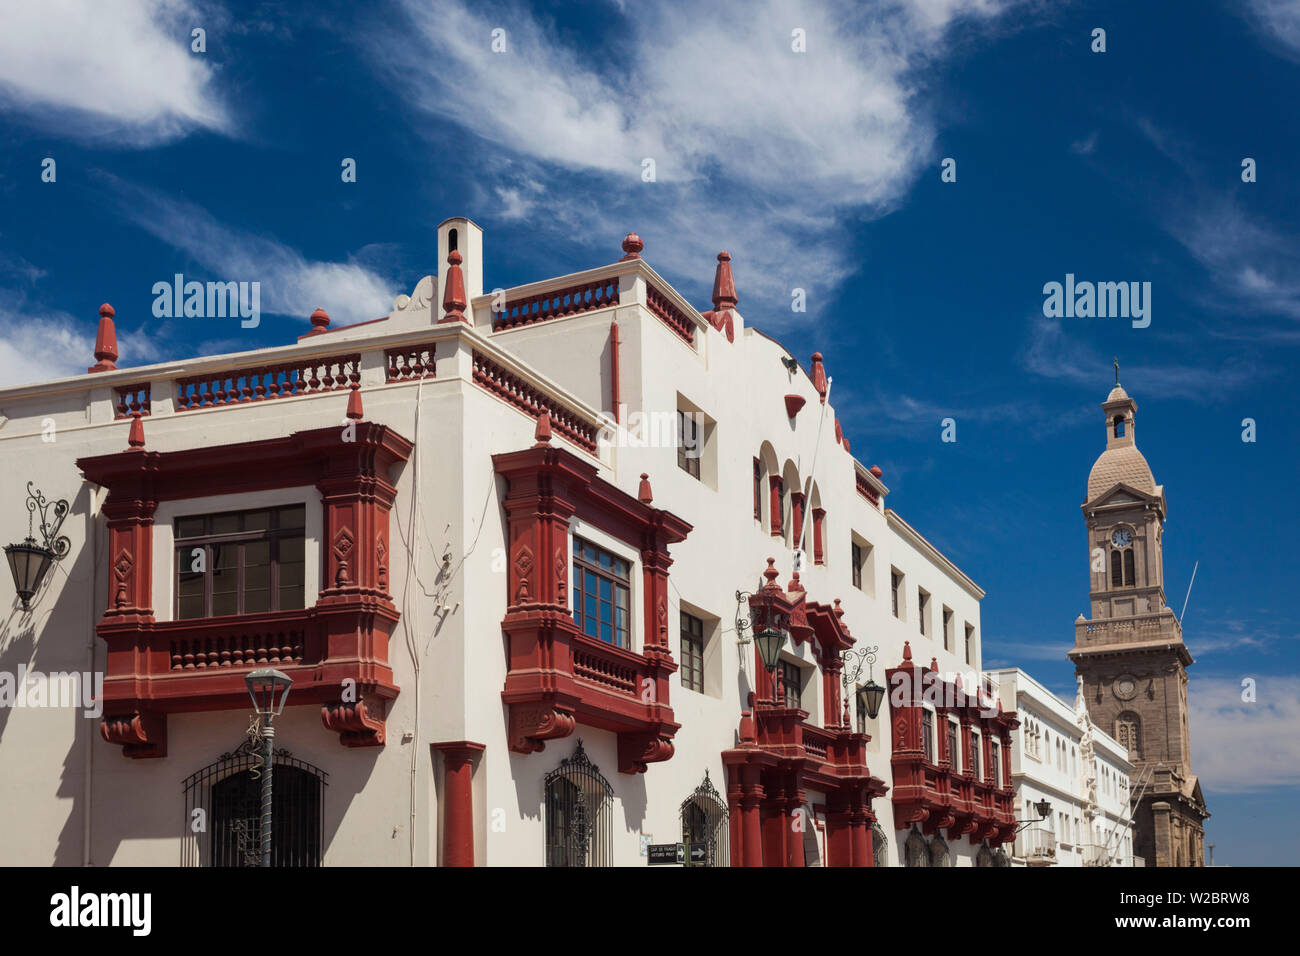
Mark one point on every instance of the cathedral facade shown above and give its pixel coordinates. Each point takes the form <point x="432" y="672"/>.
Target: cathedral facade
<point x="1129" y="654"/>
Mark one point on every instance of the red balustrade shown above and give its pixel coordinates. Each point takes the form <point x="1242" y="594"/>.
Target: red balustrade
<point x="560" y="303"/>
<point x="132" y="400"/>
<point x="532" y="402"/>
<point x="673" y="317"/>
<point x="410" y="363"/>
<point x="865" y="489"/>
<point x="262" y="383"/>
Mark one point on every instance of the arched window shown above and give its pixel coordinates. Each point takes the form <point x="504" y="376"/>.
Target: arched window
<point x="1116" y="569"/>
<point x="915" y="851"/>
<point x="578" y="813"/>
<point x="704" y="825"/>
<point x="939" y="853"/>
<point x="879" y="845"/>
<point x="1128" y="731"/>
<point x="223" y="812"/>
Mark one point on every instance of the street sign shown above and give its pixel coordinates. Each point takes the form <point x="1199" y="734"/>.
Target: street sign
<point x="662" y="854"/>
<point x="698" y="853"/>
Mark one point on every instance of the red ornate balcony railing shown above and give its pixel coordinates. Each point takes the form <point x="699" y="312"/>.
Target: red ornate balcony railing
<point x="262" y="383"/>
<point x="610" y="667"/>
<point x="557" y="304"/>
<point x="132" y="400"/>
<point x="533" y="402"/>
<point x="673" y="317"/>
<point x="864" y="487"/>
<point x="410" y="363"/>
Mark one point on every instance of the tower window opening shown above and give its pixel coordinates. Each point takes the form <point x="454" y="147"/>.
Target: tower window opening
<point x="452" y="238"/>
<point x="1119" y="427"/>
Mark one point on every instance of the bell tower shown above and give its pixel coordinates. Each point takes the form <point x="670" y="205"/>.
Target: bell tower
<point x="1130" y="656"/>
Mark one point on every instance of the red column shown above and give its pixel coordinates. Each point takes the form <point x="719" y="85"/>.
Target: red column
<point x="794" y="838"/>
<point x="860" y="837"/>
<point x="819" y="516"/>
<point x="751" y="824"/>
<point x="458" y="801"/>
<point x="796" y="515"/>
<point x="775" y="512"/>
<point x="839" y="837"/>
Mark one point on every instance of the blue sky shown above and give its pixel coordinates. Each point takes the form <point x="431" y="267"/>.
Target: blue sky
<point x="817" y="170"/>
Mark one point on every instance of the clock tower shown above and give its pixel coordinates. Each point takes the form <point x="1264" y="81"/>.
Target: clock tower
<point x="1130" y="653"/>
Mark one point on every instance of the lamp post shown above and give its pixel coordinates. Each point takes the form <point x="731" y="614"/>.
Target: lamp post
<point x="28" y="561"/>
<point x="1044" y="809"/>
<point x="269" y="689"/>
<point x="870" y="694"/>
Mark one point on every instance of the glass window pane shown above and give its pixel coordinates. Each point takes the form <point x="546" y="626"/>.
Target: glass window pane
<point x="606" y="634"/>
<point x="605" y="589"/>
<point x="291" y="599"/>
<point x="225" y="524"/>
<point x="294" y="516"/>
<point x="257" y="600"/>
<point x="223" y="604"/>
<point x="189" y="527"/>
<point x="292" y="549"/>
<point x="291" y="575"/>
<point x="188" y="608"/>
<point x="257" y="520"/>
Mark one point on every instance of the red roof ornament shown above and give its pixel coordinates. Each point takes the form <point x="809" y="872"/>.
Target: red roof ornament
<point x="453" y="295"/>
<point x="643" y="494"/>
<point x="354" y="404"/>
<point x="135" y="437"/>
<point x="632" y="246"/>
<point x="839" y="433"/>
<point x="875" y="470"/>
<point x="724" y="284"/>
<point x="819" y="375"/>
<point x="320" y="320"/>
<point x="543" y="433"/>
<point x="105" y="342"/>
<point x="907" y="650"/>
<point x="934" y="663"/>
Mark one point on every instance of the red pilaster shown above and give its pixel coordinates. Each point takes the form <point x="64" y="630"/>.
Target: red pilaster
<point x="775" y="512"/>
<point x="458" y="801"/>
<point x="796" y="515"/>
<point x="819" y="518"/>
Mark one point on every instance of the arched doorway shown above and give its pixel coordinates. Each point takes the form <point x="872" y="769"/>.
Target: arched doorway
<point x="578" y="813"/>
<point x="704" y="824"/>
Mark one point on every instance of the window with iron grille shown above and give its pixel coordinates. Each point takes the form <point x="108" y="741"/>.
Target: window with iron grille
<point x="692" y="672"/>
<point x="954" y="747"/>
<point x="857" y="565"/>
<point x="240" y="562"/>
<point x="792" y="681"/>
<point x="927" y="732"/>
<point x="579" y="808"/>
<point x="227" y="794"/>
<point x="688" y="443"/>
<point x="600" y="593"/>
<point x="704" y="826"/>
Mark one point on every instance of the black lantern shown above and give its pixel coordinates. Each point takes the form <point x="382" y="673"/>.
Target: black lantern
<point x="870" y="694"/>
<point x="1044" y="809"/>
<point x="30" y="561"/>
<point x="771" y="633"/>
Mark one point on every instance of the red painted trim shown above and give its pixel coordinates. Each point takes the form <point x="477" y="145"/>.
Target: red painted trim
<point x="819" y="519"/>
<point x="793" y="403"/>
<point x="458" y="800"/>
<point x="614" y="367"/>
<point x="774" y="514"/>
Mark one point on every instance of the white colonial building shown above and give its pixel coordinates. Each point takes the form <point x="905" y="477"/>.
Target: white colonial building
<point x="1060" y="756"/>
<point x="496" y="540"/>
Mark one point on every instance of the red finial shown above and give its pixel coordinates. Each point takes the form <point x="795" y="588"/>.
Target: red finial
<point x="453" y="295"/>
<point x="105" y="341"/>
<point x="320" y="320"/>
<point x="724" y="284"/>
<point x="875" y="470"/>
<point x="839" y="611"/>
<point x="643" y="493"/>
<point x="934" y="663"/>
<point x="354" y="404"/>
<point x="794" y="583"/>
<point x="135" y="437"/>
<point x="632" y="246"/>
<point x="839" y="433"/>
<point x="819" y="375"/>
<point x="907" y="650"/>
<point x="543" y="433"/>
<point x="771" y="573"/>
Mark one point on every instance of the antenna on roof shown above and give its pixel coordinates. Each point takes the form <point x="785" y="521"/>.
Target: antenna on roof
<point x="1189" y="592"/>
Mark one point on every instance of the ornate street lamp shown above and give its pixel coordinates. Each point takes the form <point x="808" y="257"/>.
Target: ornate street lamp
<point x="769" y="613"/>
<point x="870" y="694"/>
<point x="1044" y="809"/>
<point x="29" y="562"/>
<point x="269" y="689"/>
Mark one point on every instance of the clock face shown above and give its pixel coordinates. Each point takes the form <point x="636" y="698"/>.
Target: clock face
<point x="1126" y="687"/>
<point x="1121" y="537"/>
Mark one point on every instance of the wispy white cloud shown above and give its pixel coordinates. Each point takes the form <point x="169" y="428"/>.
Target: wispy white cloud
<point x="1086" y="146"/>
<point x="1280" y="21"/>
<point x="291" y="284"/>
<point x="766" y="150"/>
<point x="1241" y="746"/>
<point x="1052" y="352"/>
<point x="120" y="73"/>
